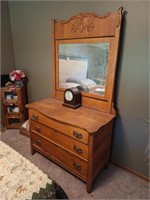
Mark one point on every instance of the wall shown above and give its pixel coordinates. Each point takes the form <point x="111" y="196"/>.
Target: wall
<point x="31" y="27"/>
<point x="7" y="50"/>
<point x="7" y="56"/>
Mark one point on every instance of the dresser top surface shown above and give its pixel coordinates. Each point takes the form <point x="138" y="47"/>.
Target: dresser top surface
<point x="85" y="118"/>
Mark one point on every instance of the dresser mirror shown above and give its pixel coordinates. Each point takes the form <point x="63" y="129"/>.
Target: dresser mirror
<point x="84" y="64"/>
<point x="85" y="52"/>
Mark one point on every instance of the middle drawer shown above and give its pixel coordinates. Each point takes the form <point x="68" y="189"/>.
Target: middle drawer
<point x="61" y="140"/>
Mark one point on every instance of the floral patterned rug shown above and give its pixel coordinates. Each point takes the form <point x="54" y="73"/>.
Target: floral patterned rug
<point x="20" y="179"/>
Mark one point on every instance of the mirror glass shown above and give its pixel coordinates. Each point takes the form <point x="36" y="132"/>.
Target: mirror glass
<point x="83" y="65"/>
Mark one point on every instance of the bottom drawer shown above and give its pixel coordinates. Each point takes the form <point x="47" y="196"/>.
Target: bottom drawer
<point x="61" y="156"/>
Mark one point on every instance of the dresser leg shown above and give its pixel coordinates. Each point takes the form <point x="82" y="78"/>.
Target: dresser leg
<point x="89" y="187"/>
<point x="32" y="151"/>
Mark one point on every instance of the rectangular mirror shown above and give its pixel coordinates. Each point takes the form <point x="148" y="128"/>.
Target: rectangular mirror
<point x="84" y="64"/>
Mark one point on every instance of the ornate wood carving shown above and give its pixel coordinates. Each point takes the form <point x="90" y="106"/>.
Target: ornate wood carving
<point x="84" y="21"/>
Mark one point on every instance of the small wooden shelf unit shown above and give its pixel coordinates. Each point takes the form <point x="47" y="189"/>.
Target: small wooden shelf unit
<point x="13" y="106"/>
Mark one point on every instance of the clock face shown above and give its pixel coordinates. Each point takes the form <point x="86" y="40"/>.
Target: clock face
<point x="68" y="95"/>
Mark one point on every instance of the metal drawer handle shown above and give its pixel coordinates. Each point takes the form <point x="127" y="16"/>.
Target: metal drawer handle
<point x="78" y="149"/>
<point x="77" y="166"/>
<point x="35" y="117"/>
<point x="38" y="142"/>
<point x="77" y="135"/>
<point x="37" y="128"/>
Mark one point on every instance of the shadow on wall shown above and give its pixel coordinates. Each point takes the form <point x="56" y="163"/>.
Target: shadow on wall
<point x="120" y="58"/>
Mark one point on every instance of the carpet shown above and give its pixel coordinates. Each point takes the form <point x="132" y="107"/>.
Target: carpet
<point x="20" y="179"/>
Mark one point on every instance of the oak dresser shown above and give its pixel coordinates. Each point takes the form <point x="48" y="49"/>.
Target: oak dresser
<point x="79" y="140"/>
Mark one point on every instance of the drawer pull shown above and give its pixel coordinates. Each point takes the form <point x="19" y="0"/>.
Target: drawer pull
<point x="37" y="128"/>
<point x="38" y="142"/>
<point x="78" y="149"/>
<point x="77" y="135"/>
<point x="77" y="166"/>
<point x="35" y="117"/>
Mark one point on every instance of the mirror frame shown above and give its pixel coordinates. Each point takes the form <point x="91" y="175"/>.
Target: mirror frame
<point x="87" y="28"/>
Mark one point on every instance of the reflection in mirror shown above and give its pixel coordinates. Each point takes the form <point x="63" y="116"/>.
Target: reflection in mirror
<point x="84" y="65"/>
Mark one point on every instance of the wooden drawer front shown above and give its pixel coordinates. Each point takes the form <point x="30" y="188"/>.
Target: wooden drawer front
<point x="61" y="156"/>
<point x="60" y="139"/>
<point x="71" y="131"/>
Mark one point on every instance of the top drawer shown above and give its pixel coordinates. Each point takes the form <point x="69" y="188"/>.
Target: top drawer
<point x="74" y="132"/>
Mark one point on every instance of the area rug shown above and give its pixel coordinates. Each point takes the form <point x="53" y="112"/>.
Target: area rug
<point x="20" y="179"/>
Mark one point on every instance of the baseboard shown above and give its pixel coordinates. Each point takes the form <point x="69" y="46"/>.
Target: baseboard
<point x="130" y="170"/>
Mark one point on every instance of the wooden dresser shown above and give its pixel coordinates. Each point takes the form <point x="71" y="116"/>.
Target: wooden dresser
<point x="79" y="139"/>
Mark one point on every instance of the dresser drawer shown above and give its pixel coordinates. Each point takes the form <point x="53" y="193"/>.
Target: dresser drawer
<point x="74" y="132"/>
<point x="60" y="155"/>
<point x="60" y="139"/>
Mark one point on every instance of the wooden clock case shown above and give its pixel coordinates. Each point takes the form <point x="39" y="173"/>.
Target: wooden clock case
<point x="78" y="140"/>
<point x="76" y="101"/>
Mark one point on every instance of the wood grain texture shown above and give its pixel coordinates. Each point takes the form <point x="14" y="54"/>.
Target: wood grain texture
<point x="84" y="118"/>
<point x="56" y="137"/>
<point x="52" y="128"/>
<point x="87" y="28"/>
<point x="79" y="139"/>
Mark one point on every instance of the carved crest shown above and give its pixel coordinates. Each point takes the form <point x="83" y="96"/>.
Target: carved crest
<point x="82" y="22"/>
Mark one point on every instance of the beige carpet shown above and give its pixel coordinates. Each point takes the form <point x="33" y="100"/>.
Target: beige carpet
<point x="113" y="183"/>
